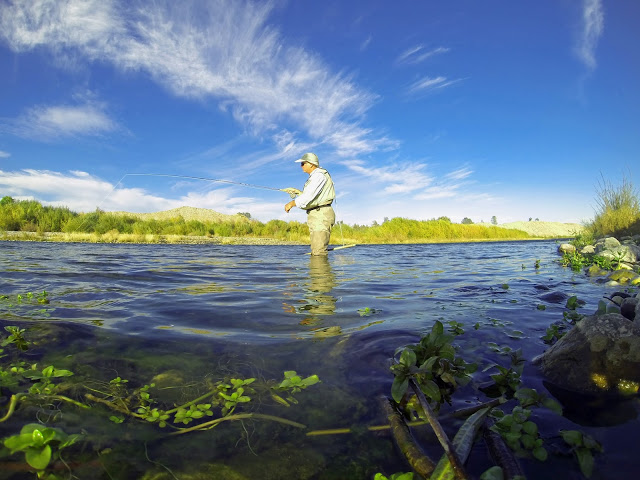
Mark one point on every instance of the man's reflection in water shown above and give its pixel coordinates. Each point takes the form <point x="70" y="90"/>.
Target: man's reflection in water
<point x="319" y="300"/>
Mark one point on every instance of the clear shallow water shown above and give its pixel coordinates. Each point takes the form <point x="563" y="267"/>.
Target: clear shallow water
<point x="205" y="311"/>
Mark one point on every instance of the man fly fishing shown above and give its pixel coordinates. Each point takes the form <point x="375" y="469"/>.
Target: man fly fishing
<point x="316" y="199"/>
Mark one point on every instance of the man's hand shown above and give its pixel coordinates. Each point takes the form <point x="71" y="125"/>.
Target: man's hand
<point x="289" y="206"/>
<point x="291" y="191"/>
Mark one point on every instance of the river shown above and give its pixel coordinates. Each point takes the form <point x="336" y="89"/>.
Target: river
<point x="191" y="315"/>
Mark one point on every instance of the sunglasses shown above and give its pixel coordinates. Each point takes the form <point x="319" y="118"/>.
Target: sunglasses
<point x="303" y="164"/>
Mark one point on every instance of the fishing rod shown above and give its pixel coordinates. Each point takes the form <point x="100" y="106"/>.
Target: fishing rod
<point x="293" y="192"/>
<point x="250" y="185"/>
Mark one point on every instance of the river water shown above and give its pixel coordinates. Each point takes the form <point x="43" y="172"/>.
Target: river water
<point x="194" y="314"/>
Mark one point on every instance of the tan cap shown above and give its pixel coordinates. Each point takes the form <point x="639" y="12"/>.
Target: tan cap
<point x="311" y="158"/>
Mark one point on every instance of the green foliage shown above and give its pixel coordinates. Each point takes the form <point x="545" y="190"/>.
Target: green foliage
<point x="618" y="209"/>
<point x="583" y="447"/>
<point x="520" y="433"/>
<point x="507" y="380"/>
<point x="15" y="338"/>
<point x="32" y="216"/>
<point x="292" y="384"/>
<point x="466" y="221"/>
<point x="45" y="385"/>
<point x="529" y="397"/>
<point x="40" y="445"/>
<point x="554" y="333"/>
<point x="434" y="366"/>
<point x="395" y="476"/>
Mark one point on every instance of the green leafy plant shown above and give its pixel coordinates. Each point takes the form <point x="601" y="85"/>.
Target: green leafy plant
<point x="234" y="394"/>
<point x="40" y="445"/>
<point x="575" y="260"/>
<point x="529" y="397"/>
<point x="554" y="333"/>
<point x="456" y="327"/>
<point x="44" y="385"/>
<point x="16" y="338"/>
<point x="434" y="366"/>
<point x="507" y="380"/>
<point x="520" y="433"/>
<point x="395" y="476"/>
<point x="292" y="384"/>
<point x="583" y="447"/>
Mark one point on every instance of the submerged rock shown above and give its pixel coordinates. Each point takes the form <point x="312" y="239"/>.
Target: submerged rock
<point x="601" y="354"/>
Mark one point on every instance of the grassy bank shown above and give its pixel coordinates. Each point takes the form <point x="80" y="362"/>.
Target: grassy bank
<point x="29" y="220"/>
<point x="618" y="210"/>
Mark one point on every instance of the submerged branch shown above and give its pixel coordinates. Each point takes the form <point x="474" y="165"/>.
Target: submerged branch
<point x="462" y="413"/>
<point x="239" y="416"/>
<point x="112" y="405"/>
<point x="442" y="436"/>
<point x="501" y="454"/>
<point x="12" y="407"/>
<point x="418" y="460"/>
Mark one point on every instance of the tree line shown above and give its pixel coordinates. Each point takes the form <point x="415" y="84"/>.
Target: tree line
<point x="32" y="216"/>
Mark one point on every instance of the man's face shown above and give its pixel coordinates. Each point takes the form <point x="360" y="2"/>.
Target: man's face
<point x="306" y="167"/>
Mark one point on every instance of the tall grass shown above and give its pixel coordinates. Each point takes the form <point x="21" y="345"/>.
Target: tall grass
<point x="618" y="209"/>
<point x="99" y="226"/>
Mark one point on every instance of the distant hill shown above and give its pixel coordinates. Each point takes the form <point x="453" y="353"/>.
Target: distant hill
<point x="544" y="229"/>
<point x="188" y="213"/>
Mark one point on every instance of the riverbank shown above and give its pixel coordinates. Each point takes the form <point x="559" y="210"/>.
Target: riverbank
<point x="535" y="230"/>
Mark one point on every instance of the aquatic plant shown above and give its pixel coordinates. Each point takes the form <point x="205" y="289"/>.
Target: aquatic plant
<point x="554" y="333"/>
<point x="520" y="433"/>
<point x="40" y="445"/>
<point x="583" y="447"/>
<point x="15" y="338"/>
<point x="433" y="364"/>
<point x="41" y="386"/>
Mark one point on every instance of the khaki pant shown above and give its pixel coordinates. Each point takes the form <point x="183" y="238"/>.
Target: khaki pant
<point x="320" y="222"/>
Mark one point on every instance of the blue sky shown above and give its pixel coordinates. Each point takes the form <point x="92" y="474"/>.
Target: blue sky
<point x="418" y="109"/>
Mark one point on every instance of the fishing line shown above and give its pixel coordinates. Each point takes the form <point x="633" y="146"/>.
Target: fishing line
<point x="250" y="185"/>
<point x="177" y="176"/>
<point x="206" y="179"/>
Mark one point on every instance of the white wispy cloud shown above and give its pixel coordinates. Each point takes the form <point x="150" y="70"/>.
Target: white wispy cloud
<point x="431" y="83"/>
<point x="4" y="154"/>
<point x="396" y="178"/>
<point x="82" y="192"/>
<point x="365" y="44"/>
<point x="591" y="31"/>
<point x="48" y="122"/>
<point x="220" y="49"/>
<point x="459" y="174"/>
<point x="418" y="54"/>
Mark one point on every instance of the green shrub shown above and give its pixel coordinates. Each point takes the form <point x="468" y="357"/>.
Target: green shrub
<point x="618" y="211"/>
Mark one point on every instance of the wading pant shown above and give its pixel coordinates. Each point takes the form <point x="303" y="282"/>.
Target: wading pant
<point x="320" y="222"/>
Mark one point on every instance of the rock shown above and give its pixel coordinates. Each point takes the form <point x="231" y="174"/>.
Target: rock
<point x="600" y="354"/>
<point x="588" y="250"/>
<point x="595" y="271"/>
<point x="628" y="308"/>
<point x="554" y="297"/>
<point x="622" y="276"/>
<point x="607" y="243"/>
<point x="566" y="248"/>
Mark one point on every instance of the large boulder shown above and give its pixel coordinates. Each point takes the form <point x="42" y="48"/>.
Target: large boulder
<point x="601" y="354"/>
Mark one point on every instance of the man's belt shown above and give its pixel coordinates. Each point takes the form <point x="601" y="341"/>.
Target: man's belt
<point x="318" y="207"/>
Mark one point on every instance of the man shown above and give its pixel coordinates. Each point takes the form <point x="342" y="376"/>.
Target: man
<point x="316" y="198"/>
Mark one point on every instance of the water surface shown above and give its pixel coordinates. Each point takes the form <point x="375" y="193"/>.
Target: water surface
<point x="203" y="312"/>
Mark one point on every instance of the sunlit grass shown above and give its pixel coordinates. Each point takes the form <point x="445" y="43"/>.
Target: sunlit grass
<point x="618" y="209"/>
